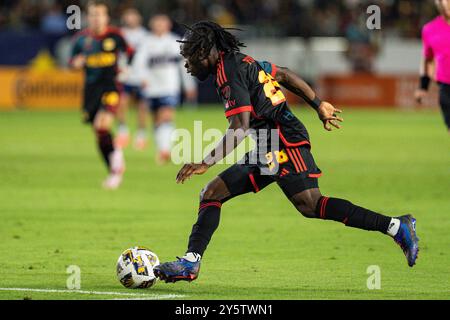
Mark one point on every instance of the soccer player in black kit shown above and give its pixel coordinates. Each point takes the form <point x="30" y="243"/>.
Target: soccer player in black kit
<point x="96" y="50"/>
<point x="253" y="100"/>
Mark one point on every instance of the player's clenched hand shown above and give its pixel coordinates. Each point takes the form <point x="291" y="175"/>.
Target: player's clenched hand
<point x="79" y="61"/>
<point x="419" y="95"/>
<point x="190" y="169"/>
<point x="327" y="114"/>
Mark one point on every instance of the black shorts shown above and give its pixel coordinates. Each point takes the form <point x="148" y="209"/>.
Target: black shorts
<point x="100" y="96"/>
<point x="293" y="169"/>
<point x="444" y="100"/>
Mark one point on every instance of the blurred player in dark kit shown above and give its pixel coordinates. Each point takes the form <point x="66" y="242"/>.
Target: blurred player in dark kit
<point x="96" y="51"/>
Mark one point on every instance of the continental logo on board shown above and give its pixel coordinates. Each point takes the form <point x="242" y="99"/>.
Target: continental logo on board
<point x="35" y="87"/>
<point x="56" y="89"/>
<point x="101" y="60"/>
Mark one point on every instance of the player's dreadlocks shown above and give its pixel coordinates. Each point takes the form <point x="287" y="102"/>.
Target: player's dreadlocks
<point x="204" y="35"/>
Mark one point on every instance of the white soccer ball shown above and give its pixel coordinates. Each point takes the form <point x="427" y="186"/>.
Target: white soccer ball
<point x="135" y="268"/>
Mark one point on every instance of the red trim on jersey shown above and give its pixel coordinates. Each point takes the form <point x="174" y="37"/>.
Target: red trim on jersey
<point x="248" y="59"/>
<point x="102" y="35"/>
<point x="293" y="160"/>
<point x="109" y="30"/>
<point x="238" y="110"/>
<point x="298" y="160"/>
<point x="291" y="144"/>
<point x="117" y="31"/>
<point x="274" y="70"/>
<point x="220" y="81"/>
<point x="284" y="172"/>
<point x="301" y="159"/>
<point x="315" y="175"/>
<point x="130" y="51"/>
<point x="252" y="180"/>
<point x="224" y="77"/>
<point x="221" y="77"/>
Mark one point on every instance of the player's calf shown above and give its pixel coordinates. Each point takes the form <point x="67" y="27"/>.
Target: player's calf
<point x="208" y="215"/>
<point x="105" y="145"/>
<point x="112" y="155"/>
<point x="352" y="215"/>
<point x="402" y="229"/>
<point x="187" y="268"/>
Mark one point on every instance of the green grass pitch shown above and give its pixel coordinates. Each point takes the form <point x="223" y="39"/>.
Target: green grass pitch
<point x="55" y="214"/>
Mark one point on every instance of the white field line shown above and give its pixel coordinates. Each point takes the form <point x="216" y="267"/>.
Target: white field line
<point x="108" y="293"/>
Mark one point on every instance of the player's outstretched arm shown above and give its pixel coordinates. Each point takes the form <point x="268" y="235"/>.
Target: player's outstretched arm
<point x="294" y="83"/>
<point x="77" y="58"/>
<point x="426" y="72"/>
<point x="236" y="133"/>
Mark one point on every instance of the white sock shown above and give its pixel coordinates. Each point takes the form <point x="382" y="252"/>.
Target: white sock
<point x="163" y="136"/>
<point x="393" y="228"/>
<point x="192" y="257"/>
<point x="117" y="161"/>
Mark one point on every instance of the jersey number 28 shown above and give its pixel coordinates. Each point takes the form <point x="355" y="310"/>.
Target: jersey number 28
<point x="271" y="88"/>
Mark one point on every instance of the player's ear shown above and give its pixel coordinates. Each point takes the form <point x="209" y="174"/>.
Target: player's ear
<point x="212" y="56"/>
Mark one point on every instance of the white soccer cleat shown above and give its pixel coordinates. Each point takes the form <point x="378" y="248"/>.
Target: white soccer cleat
<point x="113" y="181"/>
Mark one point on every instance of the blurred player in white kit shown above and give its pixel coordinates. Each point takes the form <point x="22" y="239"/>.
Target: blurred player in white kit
<point x="134" y="33"/>
<point x="160" y="70"/>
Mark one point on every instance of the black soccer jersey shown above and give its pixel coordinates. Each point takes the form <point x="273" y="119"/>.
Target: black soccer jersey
<point x="102" y="52"/>
<point x="245" y="86"/>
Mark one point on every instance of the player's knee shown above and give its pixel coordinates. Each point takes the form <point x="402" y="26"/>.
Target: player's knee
<point x="165" y="115"/>
<point x="305" y="210"/>
<point x="103" y="121"/>
<point x="215" y="190"/>
<point x="306" y="203"/>
<point x="208" y="193"/>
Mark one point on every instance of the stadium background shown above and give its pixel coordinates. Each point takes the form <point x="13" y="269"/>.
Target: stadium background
<point x="327" y="42"/>
<point x="391" y="155"/>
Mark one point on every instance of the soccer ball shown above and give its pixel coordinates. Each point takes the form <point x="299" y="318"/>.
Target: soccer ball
<point x="135" y="268"/>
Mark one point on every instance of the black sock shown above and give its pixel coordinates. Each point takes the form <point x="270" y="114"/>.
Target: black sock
<point x="351" y="215"/>
<point x="203" y="229"/>
<point x="105" y="145"/>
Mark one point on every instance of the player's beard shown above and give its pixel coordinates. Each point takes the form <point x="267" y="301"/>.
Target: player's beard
<point x="202" y="75"/>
